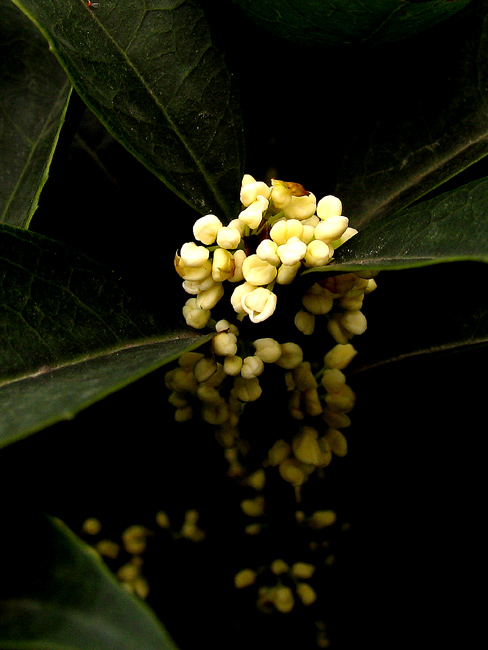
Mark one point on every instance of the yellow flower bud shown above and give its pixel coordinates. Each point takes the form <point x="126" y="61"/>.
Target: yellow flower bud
<point x="245" y="578"/>
<point x="278" y="567"/>
<point x="305" y="446"/>
<point x="252" y="366"/>
<point x="306" y="593"/>
<point x="259" y="304"/>
<point x="194" y="255"/>
<point x="340" y="356"/>
<point x="206" y="228"/>
<point x="257" y="271"/>
<point x="267" y="349"/>
<point x="194" y="316"/>
<point x="318" y="253"/>
<point x="291" y="355"/>
<point x="322" y="519"/>
<point x="302" y="570"/>
<point x="280" y="451"/>
<point x="282" y="598"/>
<point x="286" y="274"/>
<point x="225" y="344"/>
<point x="337" y="442"/>
<point x="301" y="207"/>
<point x="247" y="390"/>
<point x="292" y="251"/>
<point x="223" y="265"/>
<point x="305" y="322"/>
<point x="354" y="321"/>
<point x="329" y="206"/>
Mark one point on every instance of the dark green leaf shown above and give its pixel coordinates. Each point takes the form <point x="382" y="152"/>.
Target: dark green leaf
<point x="451" y="227"/>
<point x="339" y="22"/>
<point x="441" y="309"/>
<point x="69" y="334"/>
<point x="154" y="77"/>
<point x="56" y="594"/>
<point x="420" y="116"/>
<point x="33" y="402"/>
<point x="33" y="102"/>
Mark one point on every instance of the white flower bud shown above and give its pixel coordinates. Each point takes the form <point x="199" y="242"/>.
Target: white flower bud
<point x="260" y="304"/>
<point x="257" y="271"/>
<point x="329" y="206"/>
<point x="247" y="390"/>
<point x="232" y="365"/>
<point x="194" y="255"/>
<point x="239" y="257"/>
<point x="238" y="294"/>
<point x="318" y="253"/>
<point x="223" y="265"/>
<point x="215" y="414"/>
<point x="301" y="207"/>
<point x="316" y="302"/>
<point x="225" y="344"/>
<point x="250" y="192"/>
<point x="291" y="355"/>
<point x="331" y="229"/>
<point x="253" y="214"/>
<point x="284" y="229"/>
<point x="292" y="251"/>
<point x="354" y="321"/>
<point x="204" y="369"/>
<point x="194" y="316"/>
<point x="228" y="237"/>
<point x="305" y="322"/>
<point x="340" y="356"/>
<point x="195" y="288"/>
<point x="266" y="250"/>
<point x="224" y="326"/>
<point x="267" y="349"/>
<point x="209" y="298"/>
<point x="349" y="232"/>
<point x="206" y="228"/>
<point x="335" y="329"/>
<point x="192" y="273"/>
<point x="286" y="274"/>
<point x="252" y="366"/>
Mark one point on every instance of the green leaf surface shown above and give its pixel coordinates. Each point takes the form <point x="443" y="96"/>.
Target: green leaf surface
<point x="33" y="402"/>
<point x="152" y="74"/>
<point x="448" y="228"/>
<point x="70" y="334"/>
<point x="424" y="120"/>
<point x="341" y="22"/>
<point x="34" y="98"/>
<point x="57" y="594"/>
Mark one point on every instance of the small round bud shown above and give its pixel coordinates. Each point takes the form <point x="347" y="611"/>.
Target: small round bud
<point x="259" y="304"/>
<point x="247" y="390"/>
<point x="322" y="519"/>
<point x="194" y="255"/>
<point x="245" y="578"/>
<point x="257" y="271"/>
<point x="302" y="570"/>
<point x="268" y="349"/>
<point x="301" y="207"/>
<point x="291" y="355"/>
<point x="318" y="253"/>
<point x="228" y="237"/>
<point x="340" y="356"/>
<point x="252" y="366"/>
<point x="223" y="265"/>
<point x="305" y="322"/>
<point x="206" y="228"/>
<point x="225" y="344"/>
<point x="292" y="251"/>
<point x="329" y="206"/>
<point x="306" y="593"/>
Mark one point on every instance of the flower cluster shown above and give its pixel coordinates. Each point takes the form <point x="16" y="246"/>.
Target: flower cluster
<point x="280" y="232"/>
<point x="291" y="231"/>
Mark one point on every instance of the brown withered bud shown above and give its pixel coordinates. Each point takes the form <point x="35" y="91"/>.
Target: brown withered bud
<point x="295" y="189"/>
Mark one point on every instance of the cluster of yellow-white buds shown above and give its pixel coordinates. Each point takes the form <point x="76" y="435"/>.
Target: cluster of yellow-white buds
<point x="292" y="231"/>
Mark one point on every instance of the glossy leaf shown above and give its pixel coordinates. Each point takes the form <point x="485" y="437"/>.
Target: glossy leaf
<point x="451" y="227"/>
<point x="347" y="22"/>
<point x="57" y="593"/>
<point x="154" y="77"/>
<point x="34" y="98"/>
<point x="424" y="120"/>
<point x="69" y="334"/>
